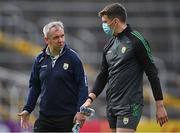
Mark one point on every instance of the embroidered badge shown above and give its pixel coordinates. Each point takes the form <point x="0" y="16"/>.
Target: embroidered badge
<point x="65" y="66"/>
<point x="125" y="120"/>
<point x="123" y="50"/>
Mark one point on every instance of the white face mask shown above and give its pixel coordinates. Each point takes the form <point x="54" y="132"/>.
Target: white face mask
<point x="107" y="29"/>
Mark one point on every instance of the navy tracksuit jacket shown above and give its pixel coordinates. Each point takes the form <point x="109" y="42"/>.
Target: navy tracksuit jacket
<point x="62" y="88"/>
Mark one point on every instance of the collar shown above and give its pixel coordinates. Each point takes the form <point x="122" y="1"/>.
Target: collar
<point x="125" y="31"/>
<point x="47" y="52"/>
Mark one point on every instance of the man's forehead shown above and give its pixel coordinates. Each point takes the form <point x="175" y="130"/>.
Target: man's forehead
<point x="56" y="28"/>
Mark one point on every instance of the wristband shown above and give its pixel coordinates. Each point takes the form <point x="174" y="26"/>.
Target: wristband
<point x="90" y="98"/>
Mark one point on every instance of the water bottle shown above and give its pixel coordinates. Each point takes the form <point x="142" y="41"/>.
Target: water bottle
<point x="76" y="127"/>
<point x="87" y="112"/>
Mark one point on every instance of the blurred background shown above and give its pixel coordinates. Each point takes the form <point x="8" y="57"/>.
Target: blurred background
<point x="21" y="39"/>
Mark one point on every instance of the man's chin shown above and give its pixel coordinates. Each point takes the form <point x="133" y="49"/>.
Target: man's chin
<point x="61" y="45"/>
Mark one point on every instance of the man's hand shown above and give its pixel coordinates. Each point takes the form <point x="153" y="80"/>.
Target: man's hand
<point x="87" y="103"/>
<point x="80" y="117"/>
<point x="24" y="119"/>
<point x="161" y="114"/>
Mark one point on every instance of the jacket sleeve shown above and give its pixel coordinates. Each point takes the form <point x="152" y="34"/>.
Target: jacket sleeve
<point x="34" y="89"/>
<point x="144" y="56"/>
<point x="81" y="80"/>
<point x="102" y="77"/>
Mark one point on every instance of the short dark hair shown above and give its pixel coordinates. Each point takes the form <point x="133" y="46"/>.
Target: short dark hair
<point x="114" y="10"/>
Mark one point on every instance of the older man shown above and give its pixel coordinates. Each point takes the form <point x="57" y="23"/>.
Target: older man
<point x="58" y="78"/>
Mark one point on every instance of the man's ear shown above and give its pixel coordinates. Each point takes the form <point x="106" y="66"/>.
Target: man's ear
<point x="46" y="40"/>
<point x="116" y="20"/>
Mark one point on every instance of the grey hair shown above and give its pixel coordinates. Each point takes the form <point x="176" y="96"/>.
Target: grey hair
<point x="48" y="26"/>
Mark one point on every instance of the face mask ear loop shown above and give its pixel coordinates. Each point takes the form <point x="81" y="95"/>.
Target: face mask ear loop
<point x="113" y="31"/>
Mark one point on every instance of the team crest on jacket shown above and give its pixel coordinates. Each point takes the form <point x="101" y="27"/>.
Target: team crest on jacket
<point x="125" y="120"/>
<point x="66" y="66"/>
<point x="123" y="50"/>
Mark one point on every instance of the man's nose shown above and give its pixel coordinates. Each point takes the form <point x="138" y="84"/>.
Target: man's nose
<point x="60" y="39"/>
